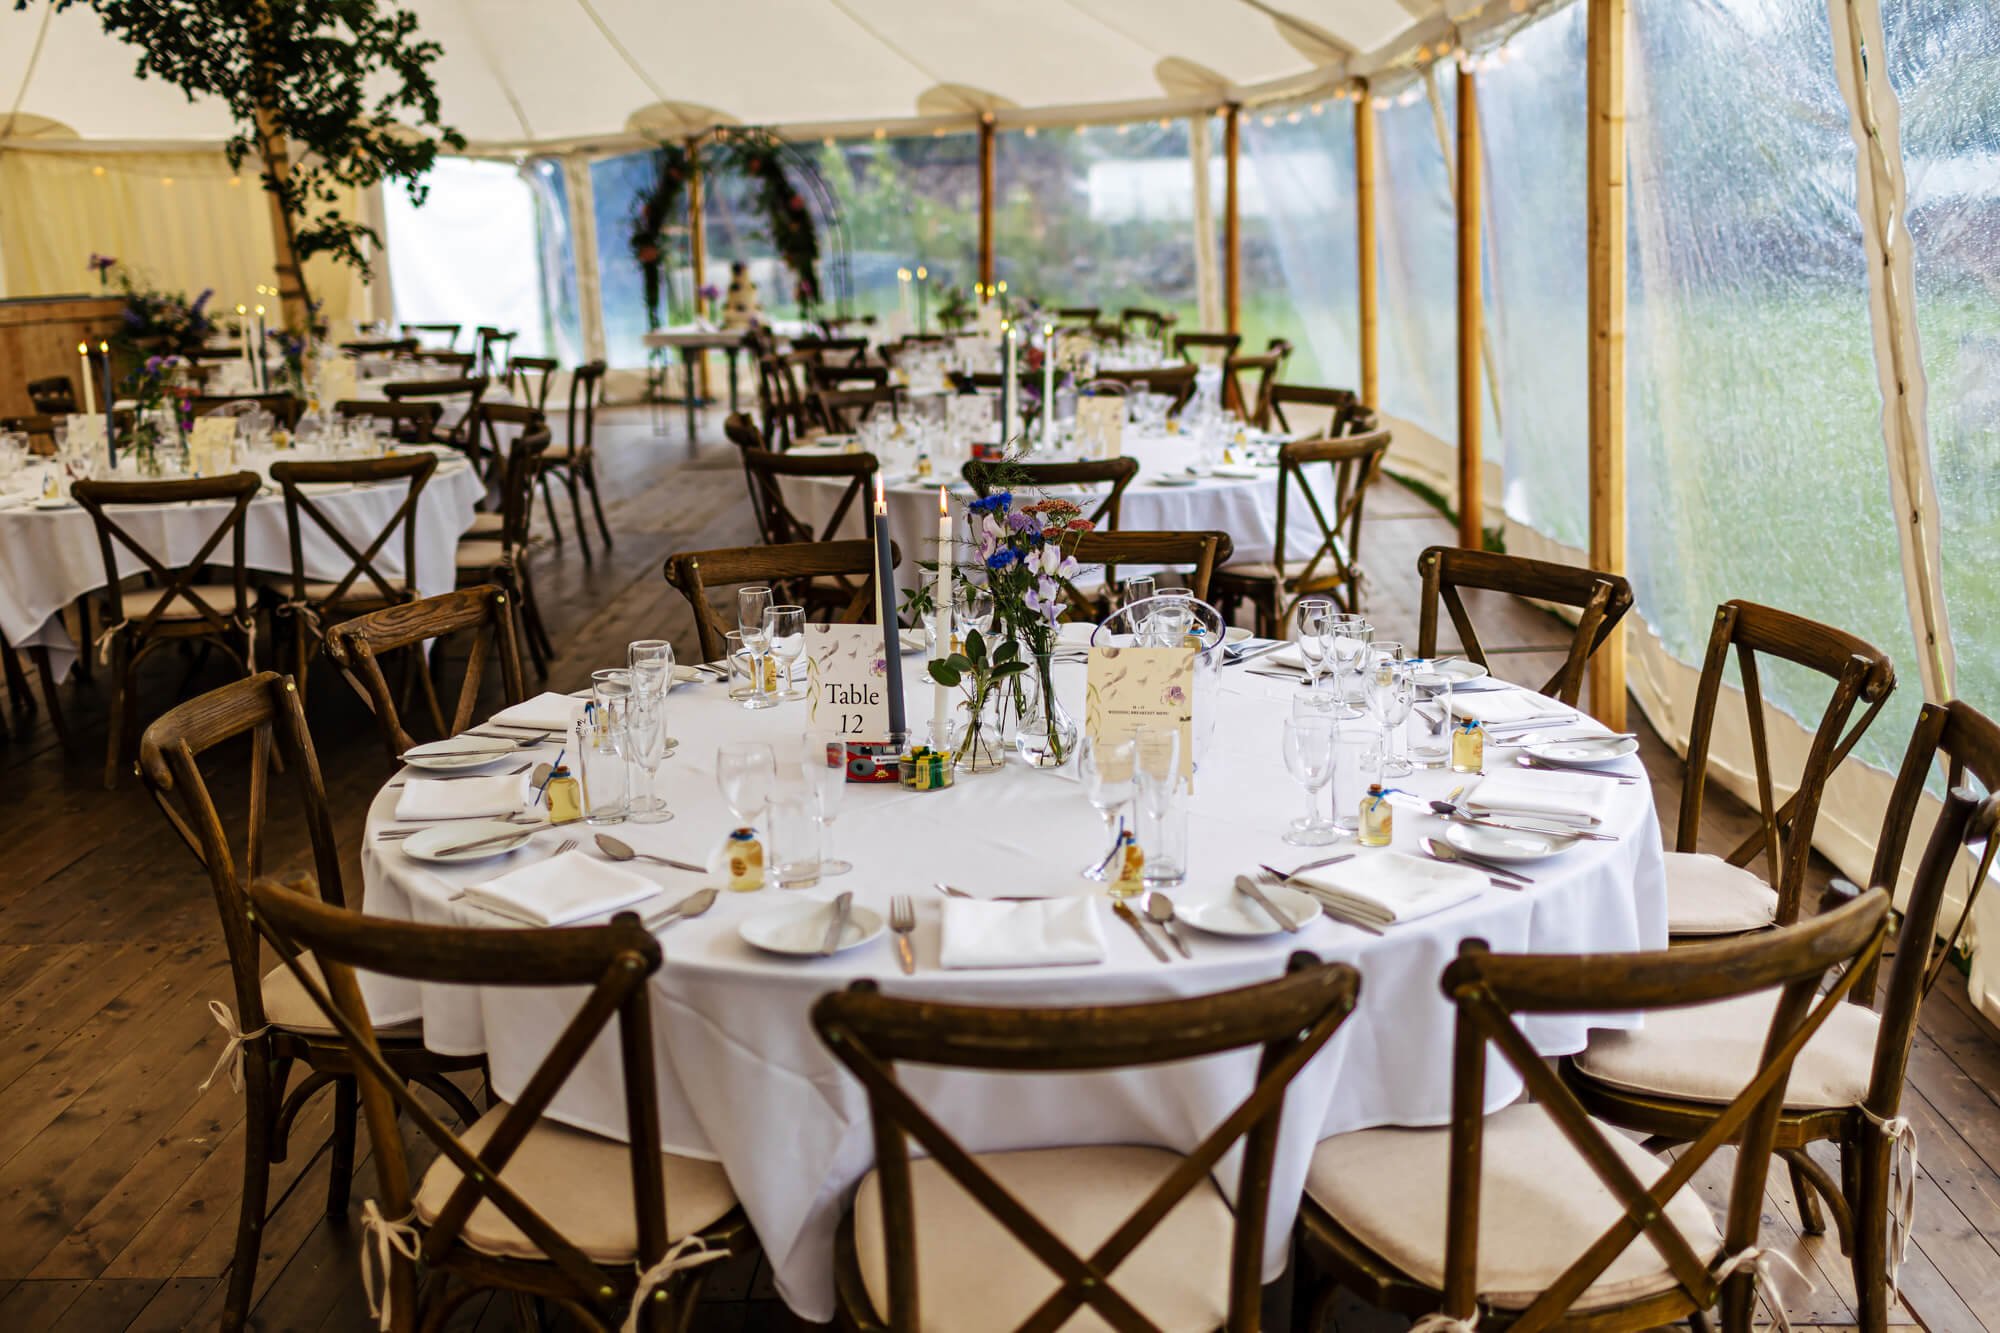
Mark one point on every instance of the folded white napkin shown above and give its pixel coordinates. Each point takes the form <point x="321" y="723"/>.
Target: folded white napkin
<point x="1501" y="706"/>
<point x="1554" y="797"/>
<point x="1241" y="471"/>
<point x="992" y="934"/>
<point x="561" y="889"/>
<point x="548" y="710"/>
<point x="1388" y="888"/>
<point x="460" y="798"/>
<point x="1075" y="634"/>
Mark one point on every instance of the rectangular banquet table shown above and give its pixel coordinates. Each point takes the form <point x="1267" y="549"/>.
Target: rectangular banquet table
<point x="744" y="1080"/>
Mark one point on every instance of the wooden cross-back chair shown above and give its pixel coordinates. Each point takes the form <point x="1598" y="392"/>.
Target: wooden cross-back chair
<point x="850" y="351"/>
<point x="897" y="1268"/>
<point x="498" y="554"/>
<point x="54" y="396"/>
<point x="516" y="1201"/>
<point x="448" y="331"/>
<point x="407" y="423"/>
<point x="494" y="352"/>
<point x="575" y="463"/>
<point x="1193" y="346"/>
<point x="1196" y="554"/>
<point x="532" y="377"/>
<point x="280" y="1031"/>
<point x="767" y="472"/>
<point x="1255" y="406"/>
<point x="283" y="407"/>
<point x="358" y="645"/>
<point x="780" y="400"/>
<point x="1601" y="601"/>
<point x="1078" y="314"/>
<point x="314" y="603"/>
<point x="181" y="607"/>
<point x="833" y="580"/>
<point x="1707" y="895"/>
<point x="379" y="346"/>
<point x="1666" y="1079"/>
<point x="843" y="409"/>
<point x="1140" y="322"/>
<point x="1275" y="586"/>
<point x="464" y="433"/>
<point x="1116" y="473"/>
<point x="1175" y="382"/>
<point x="1538" y="1216"/>
<point x="1345" y="413"/>
<point x="841" y="375"/>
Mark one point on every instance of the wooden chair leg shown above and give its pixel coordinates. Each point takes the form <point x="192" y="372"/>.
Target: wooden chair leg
<point x="549" y="508"/>
<point x="256" y="1189"/>
<point x="1871" y="1232"/>
<point x="124" y="718"/>
<point x="346" y="1108"/>
<point x="575" y="490"/>
<point x="544" y="646"/>
<point x="1812" y="1219"/>
<point x="596" y="503"/>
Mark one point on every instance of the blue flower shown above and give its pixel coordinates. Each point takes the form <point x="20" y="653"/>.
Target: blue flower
<point x="989" y="503"/>
<point x="1002" y="558"/>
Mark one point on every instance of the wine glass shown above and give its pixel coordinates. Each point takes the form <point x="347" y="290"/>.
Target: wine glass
<point x="751" y="605"/>
<point x="1313" y="626"/>
<point x="646" y="734"/>
<point x="1309" y="758"/>
<point x="1351" y="637"/>
<point x="1107" y="769"/>
<point x="652" y="664"/>
<point x="745" y="772"/>
<point x="1157" y="766"/>
<point x="1138" y="589"/>
<point x="975" y="610"/>
<point x="785" y="630"/>
<point x="1391" y="693"/>
<point x="825" y="765"/>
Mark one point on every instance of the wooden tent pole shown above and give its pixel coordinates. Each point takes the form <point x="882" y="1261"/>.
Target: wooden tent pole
<point x="1471" y="498"/>
<point x="986" y="200"/>
<point x="1605" y="172"/>
<point x="1232" y="222"/>
<point x="1364" y="233"/>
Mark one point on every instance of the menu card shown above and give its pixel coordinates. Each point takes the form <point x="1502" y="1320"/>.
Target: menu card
<point x="1134" y="689"/>
<point x="85" y="436"/>
<point x="847" y="682"/>
<point x="1075" y="352"/>
<point x="210" y="445"/>
<point x="1100" y="424"/>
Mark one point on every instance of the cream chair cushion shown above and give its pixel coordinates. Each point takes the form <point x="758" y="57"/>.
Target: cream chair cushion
<point x="486" y="524"/>
<point x="1708" y="1052"/>
<point x="137" y="603"/>
<point x="1540" y="1207"/>
<point x="581" y="1184"/>
<point x="481" y="553"/>
<point x="973" y="1276"/>
<point x="287" y="1004"/>
<point x="1708" y="896"/>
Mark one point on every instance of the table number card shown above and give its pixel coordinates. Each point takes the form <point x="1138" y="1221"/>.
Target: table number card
<point x="210" y="445"/>
<point x="86" y="437"/>
<point x="1100" y="424"/>
<point x="847" y="683"/>
<point x="1133" y="688"/>
<point x="1075" y="352"/>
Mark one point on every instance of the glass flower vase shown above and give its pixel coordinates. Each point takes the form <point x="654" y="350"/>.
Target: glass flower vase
<point x="1046" y="735"/>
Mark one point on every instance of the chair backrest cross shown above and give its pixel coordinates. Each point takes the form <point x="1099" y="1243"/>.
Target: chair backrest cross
<point x="1352" y="464"/>
<point x="1601" y="601"/>
<point x="414" y="469"/>
<point x="766" y="473"/>
<point x="177" y="592"/>
<point x="1289" y="1020"/>
<point x="849" y="566"/>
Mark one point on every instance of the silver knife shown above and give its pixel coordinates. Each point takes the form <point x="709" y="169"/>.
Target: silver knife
<point x="838" y="926"/>
<point x="1131" y="918"/>
<point x="1248" y="888"/>
<point x="1240" y="659"/>
<point x="484" y="842"/>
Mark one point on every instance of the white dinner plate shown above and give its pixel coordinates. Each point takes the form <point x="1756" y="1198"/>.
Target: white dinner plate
<point x="1175" y="479"/>
<point x="1457" y="673"/>
<point x="1235" y="914"/>
<point x="1582" y="751"/>
<point x="798" y="929"/>
<point x="430" y="844"/>
<point x="449" y="755"/>
<point x="1496" y="844"/>
<point x="55" y="504"/>
<point x="1236" y="634"/>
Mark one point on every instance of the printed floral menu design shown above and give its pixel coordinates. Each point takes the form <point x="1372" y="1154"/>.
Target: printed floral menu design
<point x="847" y="682"/>
<point x="1131" y="689"/>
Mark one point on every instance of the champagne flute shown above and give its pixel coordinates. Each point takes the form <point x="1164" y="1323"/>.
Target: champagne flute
<point x="646" y="733"/>
<point x="1107" y="769"/>
<point x="1308" y="746"/>
<point x="745" y="772"/>
<point x="1138" y="588"/>
<point x="651" y="663"/>
<point x="1391" y="694"/>
<point x="751" y="605"/>
<point x="785" y="628"/>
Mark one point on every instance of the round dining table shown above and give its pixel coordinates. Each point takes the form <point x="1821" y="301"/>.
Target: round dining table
<point x="745" y="1081"/>
<point x="49" y="557"/>
<point x="1239" y="498"/>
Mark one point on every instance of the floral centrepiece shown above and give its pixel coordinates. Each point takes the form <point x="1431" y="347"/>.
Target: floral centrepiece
<point x="155" y="321"/>
<point x="1029" y="554"/>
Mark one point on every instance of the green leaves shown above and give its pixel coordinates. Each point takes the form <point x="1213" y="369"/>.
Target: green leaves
<point x="973" y="667"/>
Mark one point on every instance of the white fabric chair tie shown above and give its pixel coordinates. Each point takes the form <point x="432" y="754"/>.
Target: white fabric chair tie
<point x="381" y="1241"/>
<point x="690" y="1252"/>
<point x="1439" y="1322"/>
<point x="232" y="1050"/>
<point x="104" y="638"/>
<point x="1902" y="1136"/>
<point x="1759" y="1262"/>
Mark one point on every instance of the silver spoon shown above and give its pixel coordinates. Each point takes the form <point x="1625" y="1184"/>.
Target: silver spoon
<point x="693" y="905"/>
<point x="1161" y="909"/>
<point x="618" y="850"/>
<point x="1444" y="851"/>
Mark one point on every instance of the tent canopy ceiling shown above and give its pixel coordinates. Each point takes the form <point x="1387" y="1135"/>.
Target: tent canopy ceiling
<point x="519" y="74"/>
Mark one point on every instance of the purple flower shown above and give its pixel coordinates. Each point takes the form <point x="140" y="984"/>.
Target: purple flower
<point x="102" y="263"/>
<point x="1020" y="522"/>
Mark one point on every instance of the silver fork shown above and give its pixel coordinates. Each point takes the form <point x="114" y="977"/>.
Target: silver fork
<point x="467" y="777"/>
<point x="903" y="920"/>
<point x="566" y="845"/>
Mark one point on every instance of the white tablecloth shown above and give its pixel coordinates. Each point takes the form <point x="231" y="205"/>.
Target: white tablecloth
<point x="1244" y="507"/>
<point x="745" y="1081"/>
<point x="49" y="558"/>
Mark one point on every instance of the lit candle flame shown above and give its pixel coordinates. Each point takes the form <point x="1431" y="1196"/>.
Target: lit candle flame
<point x="944" y="505"/>
<point x="881" y="501"/>
<point x="104" y="347"/>
<point x="83" y="349"/>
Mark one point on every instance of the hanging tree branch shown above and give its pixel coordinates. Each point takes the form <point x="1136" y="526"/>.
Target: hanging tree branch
<point x="327" y="94"/>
